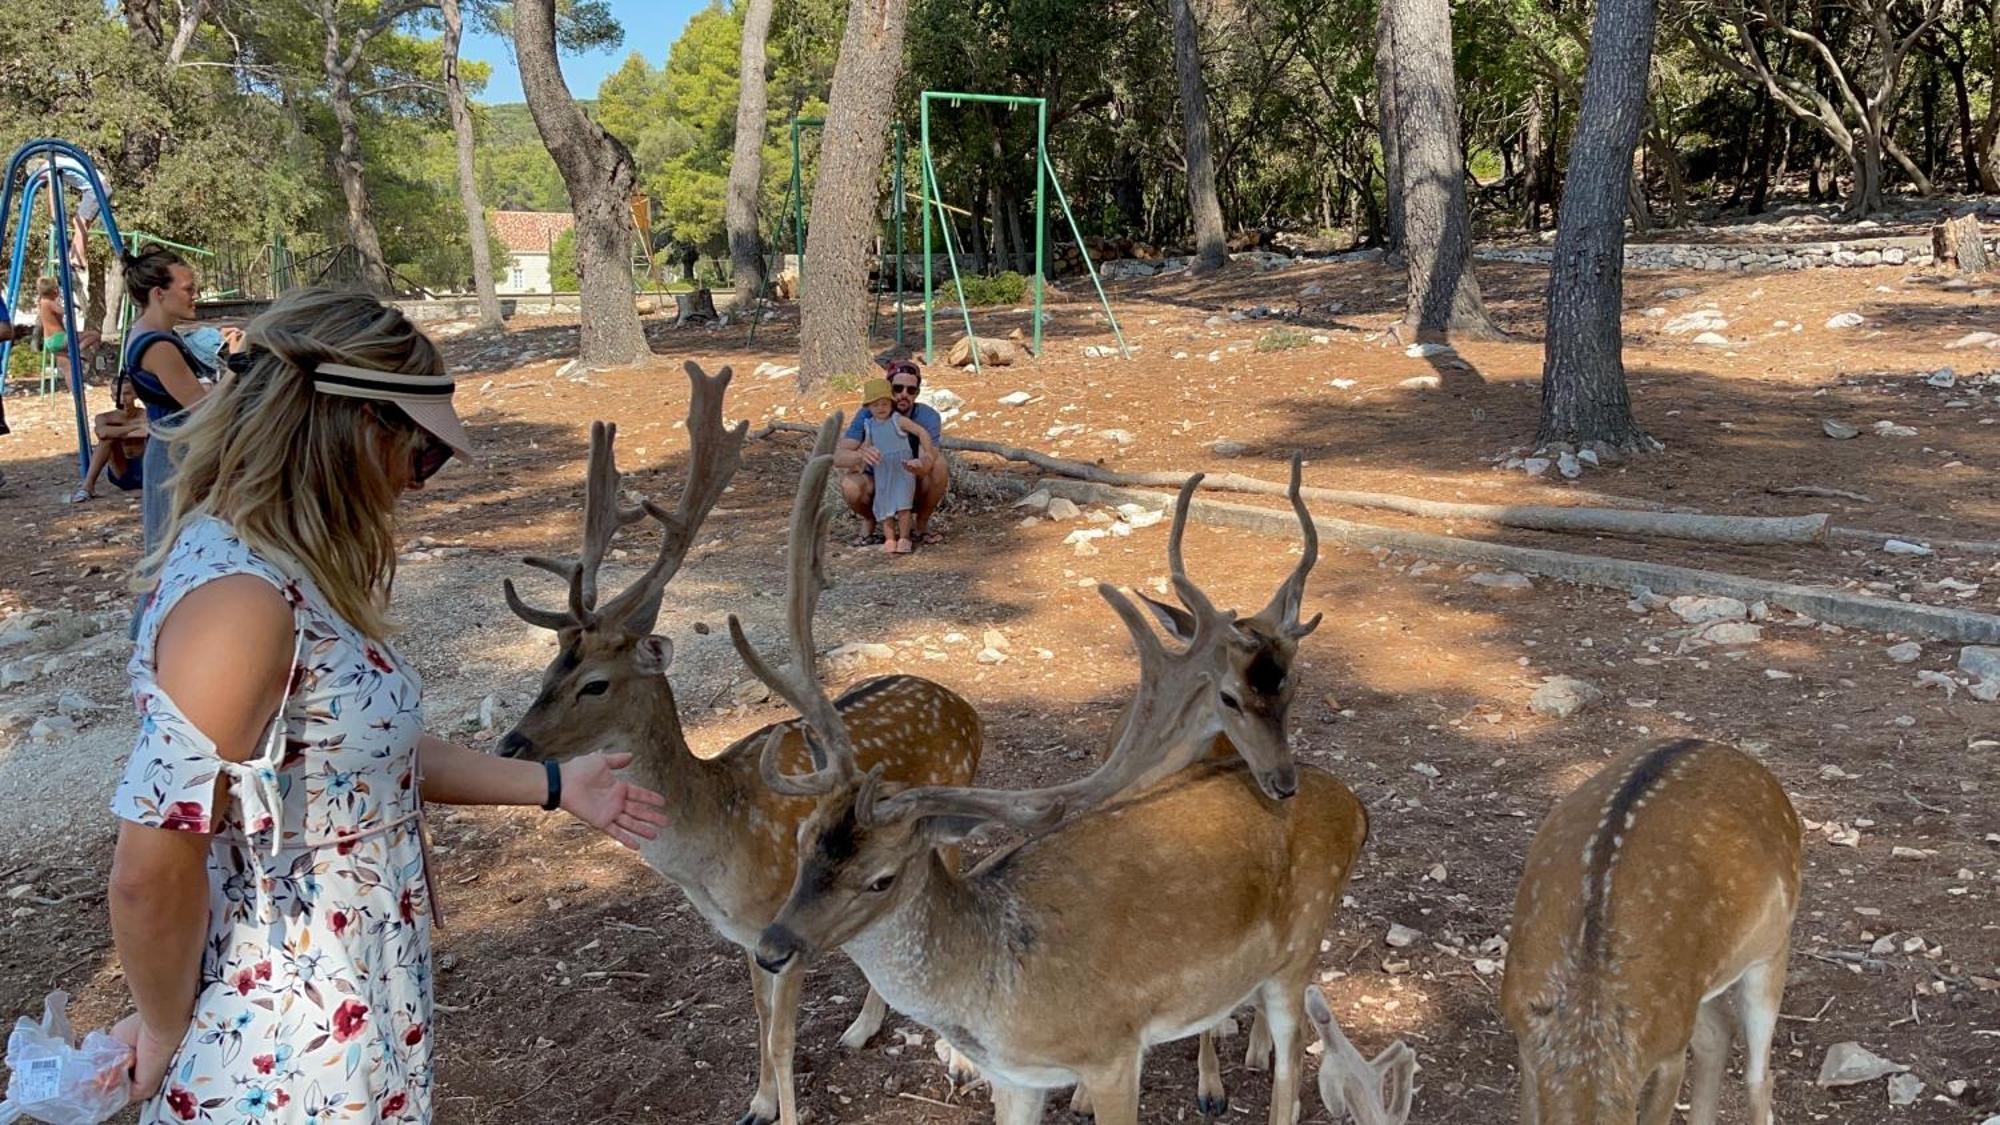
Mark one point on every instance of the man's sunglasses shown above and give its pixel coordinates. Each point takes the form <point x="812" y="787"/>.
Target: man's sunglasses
<point x="428" y="455"/>
<point x="904" y="388"/>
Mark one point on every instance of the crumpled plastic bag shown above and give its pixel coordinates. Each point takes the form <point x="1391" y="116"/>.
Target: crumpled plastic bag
<point x="57" y="1081"/>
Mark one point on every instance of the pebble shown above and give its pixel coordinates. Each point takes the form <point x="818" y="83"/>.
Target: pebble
<point x="1886" y="428"/>
<point x="1036" y="501"/>
<point x="1569" y="466"/>
<point x="1017" y="398"/>
<point x="1502" y="580"/>
<point x="1851" y="1064"/>
<point x="1536" y="466"/>
<point x="1844" y="320"/>
<point x="1981" y="662"/>
<point x="1062" y="508"/>
<point x="1974" y="340"/>
<point x="1905" y="1089"/>
<point x="1839" y="430"/>
<point x="1942" y="377"/>
<point x="1426" y="351"/>
<point x="1559" y="697"/>
<point x="1906" y="653"/>
<point x="1712" y="340"/>
<point x="1904" y="547"/>
<point x="49" y="728"/>
<point x="1730" y="634"/>
<point x="990" y="655"/>
<point x="1401" y="936"/>
<point x="1701" y="320"/>
<point x="1702" y="609"/>
<point x="1229" y="448"/>
<point x="1421" y="383"/>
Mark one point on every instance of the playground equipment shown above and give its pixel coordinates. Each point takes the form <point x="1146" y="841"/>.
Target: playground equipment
<point x="48" y="149"/>
<point x="1045" y="176"/>
<point x="796" y="197"/>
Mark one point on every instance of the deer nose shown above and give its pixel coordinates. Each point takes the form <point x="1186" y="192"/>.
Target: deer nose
<point x="516" y="745"/>
<point x="1281" y="783"/>
<point x="776" y="948"/>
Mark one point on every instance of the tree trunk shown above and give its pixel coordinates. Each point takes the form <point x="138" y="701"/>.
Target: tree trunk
<point x="347" y="169"/>
<point x="1437" y="231"/>
<point x="599" y="174"/>
<point x="1584" y="398"/>
<point x="1385" y="127"/>
<point x="1531" y="165"/>
<point x="746" y="166"/>
<point x="833" y="310"/>
<point x="468" y="183"/>
<point x="1956" y="244"/>
<point x="1866" y="196"/>
<point x="1968" y="144"/>
<point x="1211" y="241"/>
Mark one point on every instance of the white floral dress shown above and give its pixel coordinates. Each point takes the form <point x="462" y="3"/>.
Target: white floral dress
<point x="315" y="1001"/>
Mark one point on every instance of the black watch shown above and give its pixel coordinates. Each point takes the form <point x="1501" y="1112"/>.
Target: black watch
<point x="555" y="786"/>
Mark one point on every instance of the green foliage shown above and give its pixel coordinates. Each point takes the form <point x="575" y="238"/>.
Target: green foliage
<point x="1005" y="288"/>
<point x="1282" y="340"/>
<point x="515" y="171"/>
<point x="562" y="263"/>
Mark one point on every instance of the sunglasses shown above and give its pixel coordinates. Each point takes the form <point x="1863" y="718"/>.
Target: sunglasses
<point x="904" y="388"/>
<point x="428" y="455"/>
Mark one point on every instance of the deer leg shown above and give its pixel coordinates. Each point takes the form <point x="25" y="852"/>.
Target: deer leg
<point x="1759" y="995"/>
<point x="1079" y="1100"/>
<point x="784" y="1029"/>
<point x="961" y="1070"/>
<point x="1712" y="1033"/>
<point x="1014" y="1105"/>
<point x="1531" y="1095"/>
<point x="1257" y="1056"/>
<point x="764" y="1103"/>
<point x="1281" y="1011"/>
<point x="1656" y="1101"/>
<point x="1210" y="1096"/>
<point x="1114" y="1092"/>
<point x="867" y="1023"/>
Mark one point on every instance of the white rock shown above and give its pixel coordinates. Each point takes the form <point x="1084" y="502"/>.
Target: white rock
<point x="1701" y="320"/>
<point x="1654" y="313"/>
<point x="1062" y="508"/>
<point x="1502" y="580"/>
<point x="1702" y="609"/>
<point x="1017" y="398"/>
<point x="1675" y="294"/>
<point x="1085" y="535"/>
<point x="1421" y="383"/>
<point x="1981" y="662"/>
<point x="1886" y="428"/>
<point x="1904" y="547"/>
<point x="995" y="639"/>
<point x="1731" y="634"/>
<point x="1974" y="340"/>
<point x="1928" y="678"/>
<point x="1851" y="1064"/>
<point x="1036" y="501"/>
<point x="992" y="656"/>
<point x="1145" y="517"/>
<point x="861" y="651"/>
<point x="1905" y="1089"/>
<point x="49" y="728"/>
<point x="1840" y="430"/>
<point x="1589" y="457"/>
<point x="1569" y="466"/>
<point x="1943" y="377"/>
<point x="1229" y="448"/>
<point x="1844" y="320"/>
<point x="1426" y="351"/>
<point x="1906" y="653"/>
<point x="1712" y="340"/>
<point x="1401" y="936"/>
<point x="942" y="399"/>
<point x="19" y="672"/>
<point x="1559" y="697"/>
<point x="1537" y="466"/>
<point x="1341" y="384"/>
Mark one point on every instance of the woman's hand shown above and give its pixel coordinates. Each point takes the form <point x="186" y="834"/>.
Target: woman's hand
<point x="232" y="340"/>
<point x="627" y="813"/>
<point x="151" y="1055"/>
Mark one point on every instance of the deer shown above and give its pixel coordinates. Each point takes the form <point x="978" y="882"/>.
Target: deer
<point x="1060" y="960"/>
<point x="1236" y="675"/>
<point x="729" y="843"/>
<point x="1373" y="1091"/>
<point x="1654" y="914"/>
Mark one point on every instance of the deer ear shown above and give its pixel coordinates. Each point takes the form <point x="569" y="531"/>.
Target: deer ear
<point x="653" y="654"/>
<point x="1178" y="623"/>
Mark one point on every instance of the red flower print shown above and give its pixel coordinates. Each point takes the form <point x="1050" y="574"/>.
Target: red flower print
<point x="413" y="1036"/>
<point x="245" y="981"/>
<point x="263" y="970"/>
<point x="407" y="905"/>
<point x="344" y="847"/>
<point x="340" y="920"/>
<point x="181" y="1101"/>
<point x="348" y="1020"/>
<point x="380" y="662"/>
<point x="185" y="816"/>
<point x="280" y="1098"/>
<point x="394" y="1103"/>
<point x="263" y="824"/>
<point x="265" y="1064"/>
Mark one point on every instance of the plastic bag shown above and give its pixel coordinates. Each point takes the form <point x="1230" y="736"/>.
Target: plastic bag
<point x="57" y="1082"/>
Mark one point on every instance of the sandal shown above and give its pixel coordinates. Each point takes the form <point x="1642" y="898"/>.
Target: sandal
<point x="902" y="547"/>
<point x="80" y="497"/>
<point x="891" y="546"/>
<point x="866" y="539"/>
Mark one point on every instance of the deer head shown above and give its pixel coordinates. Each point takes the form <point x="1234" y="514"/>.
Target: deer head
<point x="864" y="840"/>
<point x="611" y="666"/>
<point x="1239" y="670"/>
<point x="1353" y="1086"/>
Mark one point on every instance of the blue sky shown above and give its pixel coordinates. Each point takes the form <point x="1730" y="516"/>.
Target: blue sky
<point x="651" y="26"/>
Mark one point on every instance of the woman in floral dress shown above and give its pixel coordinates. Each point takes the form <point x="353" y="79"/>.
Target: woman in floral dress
<point x="270" y="893"/>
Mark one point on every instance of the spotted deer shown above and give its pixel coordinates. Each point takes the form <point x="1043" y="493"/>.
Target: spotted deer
<point x="1373" y="1091"/>
<point x="1061" y="960"/>
<point x="729" y="842"/>
<point x="1655" y="911"/>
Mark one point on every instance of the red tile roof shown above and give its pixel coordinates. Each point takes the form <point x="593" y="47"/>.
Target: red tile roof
<point x="531" y="232"/>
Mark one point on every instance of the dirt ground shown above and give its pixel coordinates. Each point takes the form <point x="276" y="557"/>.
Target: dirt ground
<point x="576" y="986"/>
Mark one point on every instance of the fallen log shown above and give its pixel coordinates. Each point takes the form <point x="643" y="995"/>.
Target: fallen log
<point x="1875" y="539"/>
<point x="1836" y="607"/>
<point x="1536" y="517"/>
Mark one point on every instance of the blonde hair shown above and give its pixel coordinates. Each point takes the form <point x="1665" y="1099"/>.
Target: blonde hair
<point x="48" y="287"/>
<point x="297" y="475"/>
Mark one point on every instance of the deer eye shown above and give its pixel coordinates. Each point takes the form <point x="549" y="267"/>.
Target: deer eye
<point x="594" y="687"/>
<point x="1231" y="702"/>
<point x="881" y="883"/>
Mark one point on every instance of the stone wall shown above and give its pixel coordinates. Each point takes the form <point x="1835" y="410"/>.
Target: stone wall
<point x="1749" y="257"/>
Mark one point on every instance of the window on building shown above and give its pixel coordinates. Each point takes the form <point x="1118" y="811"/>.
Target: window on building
<point x="518" y="278"/>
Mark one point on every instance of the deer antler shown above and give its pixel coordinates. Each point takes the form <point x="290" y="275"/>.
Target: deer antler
<point x="714" y="453"/>
<point x="602" y="517"/>
<point x="1348" y="1080"/>
<point x="713" y="456"/>
<point x="1283" y="612"/>
<point x="799" y="686"/>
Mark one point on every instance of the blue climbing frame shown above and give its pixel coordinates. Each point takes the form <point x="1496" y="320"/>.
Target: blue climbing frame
<point x="49" y="148"/>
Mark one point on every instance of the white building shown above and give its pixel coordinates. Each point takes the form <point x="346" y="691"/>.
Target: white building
<point x="528" y="237"/>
